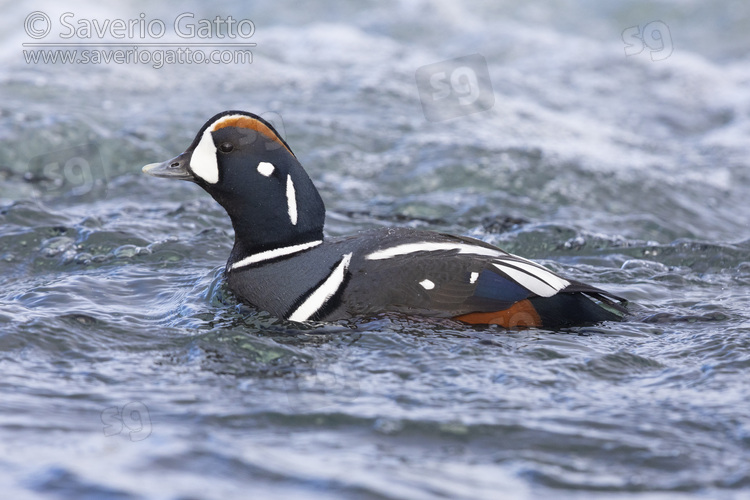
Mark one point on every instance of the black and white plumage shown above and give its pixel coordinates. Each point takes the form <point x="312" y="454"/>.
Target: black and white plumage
<point x="282" y="263"/>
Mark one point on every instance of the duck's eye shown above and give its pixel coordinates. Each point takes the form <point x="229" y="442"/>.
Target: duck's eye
<point x="226" y="147"/>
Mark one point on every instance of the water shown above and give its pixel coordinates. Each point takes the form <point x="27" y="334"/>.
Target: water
<point x="130" y="371"/>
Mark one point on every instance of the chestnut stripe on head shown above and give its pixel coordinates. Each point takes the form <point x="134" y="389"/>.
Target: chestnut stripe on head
<point x="247" y="122"/>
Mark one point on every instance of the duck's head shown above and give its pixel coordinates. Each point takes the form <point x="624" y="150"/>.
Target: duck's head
<point x="246" y="166"/>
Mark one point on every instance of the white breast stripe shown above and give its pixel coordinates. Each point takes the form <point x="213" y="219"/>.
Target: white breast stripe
<point x="291" y="200"/>
<point x="272" y="254"/>
<point x="323" y="293"/>
<point x="542" y="273"/>
<point x="473" y="277"/>
<point x="433" y="246"/>
<point x="528" y="281"/>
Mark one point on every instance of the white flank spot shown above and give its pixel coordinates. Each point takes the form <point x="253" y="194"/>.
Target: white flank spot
<point x="531" y="283"/>
<point x="473" y="278"/>
<point x="427" y="284"/>
<point x="320" y="296"/>
<point x="265" y="169"/>
<point x="542" y="273"/>
<point x="432" y="246"/>
<point x="291" y="200"/>
<point x="272" y="254"/>
<point x="203" y="160"/>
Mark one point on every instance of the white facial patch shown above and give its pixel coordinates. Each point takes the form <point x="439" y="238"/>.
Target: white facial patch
<point x="265" y="169"/>
<point x="427" y="284"/>
<point x="291" y="200"/>
<point x="203" y="162"/>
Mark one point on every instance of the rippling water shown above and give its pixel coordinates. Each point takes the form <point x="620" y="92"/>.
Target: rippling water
<point x="129" y="370"/>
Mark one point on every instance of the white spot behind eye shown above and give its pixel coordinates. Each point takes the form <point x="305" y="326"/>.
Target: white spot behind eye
<point x="427" y="284"/>
<point x="265" y="169"/>
<point x="291" y="200"/>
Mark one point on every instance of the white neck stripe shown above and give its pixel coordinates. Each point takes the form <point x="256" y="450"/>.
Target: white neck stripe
<point x="323" y="293"/>
<point x="273" y="254"/>
<point x="291" y="200"/>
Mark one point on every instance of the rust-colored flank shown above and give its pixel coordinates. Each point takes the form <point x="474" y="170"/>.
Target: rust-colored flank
<point x="522" y="313"/>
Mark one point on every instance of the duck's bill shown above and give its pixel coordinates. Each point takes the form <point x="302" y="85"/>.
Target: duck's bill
<point x="176" y="168"/>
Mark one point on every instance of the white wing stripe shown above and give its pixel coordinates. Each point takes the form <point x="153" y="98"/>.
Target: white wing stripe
<point x="528" y="274"/>
<point x="433" y="246"/>
<point x="323" y="293"/>
<point x="540" y="272"/>
<point x="528" y="281"/>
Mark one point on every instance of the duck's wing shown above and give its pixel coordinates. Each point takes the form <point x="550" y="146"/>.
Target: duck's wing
<point x="472" y="281"/>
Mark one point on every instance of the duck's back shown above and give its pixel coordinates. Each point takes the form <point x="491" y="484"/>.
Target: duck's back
<point x="417" y="272"/>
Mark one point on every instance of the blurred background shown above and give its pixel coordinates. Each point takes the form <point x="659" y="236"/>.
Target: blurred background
<point x="609" y="141"/>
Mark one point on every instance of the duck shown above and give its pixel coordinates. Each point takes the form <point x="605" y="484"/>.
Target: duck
<point x="282" y="262"/>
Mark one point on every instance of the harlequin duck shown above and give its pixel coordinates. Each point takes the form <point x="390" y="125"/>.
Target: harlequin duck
<point x="282" y="263"/>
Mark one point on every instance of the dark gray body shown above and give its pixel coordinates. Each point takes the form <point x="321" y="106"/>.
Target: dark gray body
<point x="373" y="286"/>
